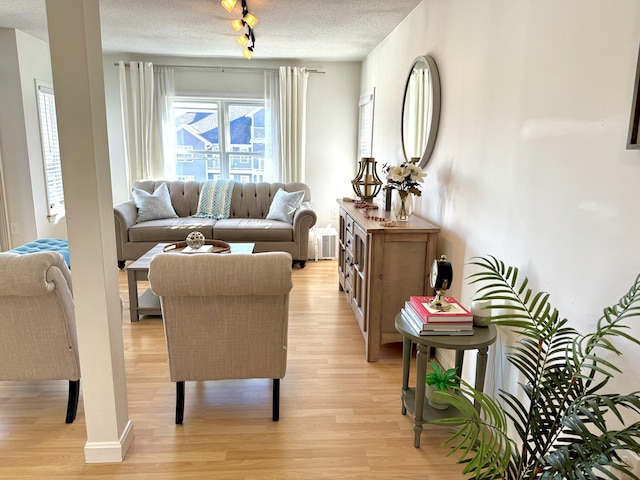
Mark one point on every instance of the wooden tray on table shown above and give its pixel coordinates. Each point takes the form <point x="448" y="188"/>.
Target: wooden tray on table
<point x="217" y="246"/>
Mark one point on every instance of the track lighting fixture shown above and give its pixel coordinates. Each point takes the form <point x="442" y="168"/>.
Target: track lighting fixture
<point x="237" y="25"/>
<point x="229" y="5"/>
<point x="248" y="20"/>
<point x="243" y="39"/>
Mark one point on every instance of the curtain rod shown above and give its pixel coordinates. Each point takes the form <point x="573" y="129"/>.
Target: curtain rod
<point x="222" y="69"/>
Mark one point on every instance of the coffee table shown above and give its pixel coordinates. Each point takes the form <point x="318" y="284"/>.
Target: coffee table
<point x="138" y="271"/>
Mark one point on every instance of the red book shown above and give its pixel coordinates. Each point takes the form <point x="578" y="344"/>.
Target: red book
<point x="429" y="328"/>
<point x="457" y="313"/>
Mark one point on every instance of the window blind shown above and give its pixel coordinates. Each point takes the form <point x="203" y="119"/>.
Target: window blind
<point x="50" y="150"/>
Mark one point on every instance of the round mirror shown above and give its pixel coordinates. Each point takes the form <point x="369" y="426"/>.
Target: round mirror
<point x="421" y="110"/>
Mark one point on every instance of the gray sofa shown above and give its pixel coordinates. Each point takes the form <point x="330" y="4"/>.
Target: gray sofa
<point x="250" y="204"/>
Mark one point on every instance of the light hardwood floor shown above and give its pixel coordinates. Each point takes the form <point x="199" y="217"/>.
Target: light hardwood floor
<point x="339" y="416"/>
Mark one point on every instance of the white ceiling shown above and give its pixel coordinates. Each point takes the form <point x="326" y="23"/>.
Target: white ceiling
<point x="342" y="30"/>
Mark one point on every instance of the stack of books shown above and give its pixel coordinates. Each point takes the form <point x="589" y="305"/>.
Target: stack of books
<point x="202" y="249"/>
<point x="429" y="321"/>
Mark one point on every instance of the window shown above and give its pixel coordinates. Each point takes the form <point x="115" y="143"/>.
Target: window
<point x="218" y="138"/>
<point x="50" y="150"/>
<point x="183" y="153"/>
<point x="365" y="127"/>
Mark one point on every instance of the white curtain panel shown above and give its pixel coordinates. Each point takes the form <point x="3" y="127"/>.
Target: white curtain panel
<point x="143" y="98"/>
<point x="272" y="148"/>
<point x="293" y="107"/>
<point x="164" y="136"/>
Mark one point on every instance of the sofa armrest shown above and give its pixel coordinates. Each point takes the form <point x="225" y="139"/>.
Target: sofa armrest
<point x="304" y="218"/>
<point x="125" y="215"/>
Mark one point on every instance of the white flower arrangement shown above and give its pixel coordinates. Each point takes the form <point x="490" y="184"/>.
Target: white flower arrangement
<point x="405" y="178"/>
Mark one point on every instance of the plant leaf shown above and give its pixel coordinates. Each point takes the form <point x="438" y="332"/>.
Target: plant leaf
<point x="561" y="419"/>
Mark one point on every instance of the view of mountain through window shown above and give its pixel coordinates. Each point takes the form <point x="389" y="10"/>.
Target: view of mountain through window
<point x="219" y="139"/>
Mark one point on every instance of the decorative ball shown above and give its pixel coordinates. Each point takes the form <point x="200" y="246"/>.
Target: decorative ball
<point x="195" y="239"/>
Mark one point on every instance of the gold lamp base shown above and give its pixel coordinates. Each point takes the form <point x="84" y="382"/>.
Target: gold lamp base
<point x="366" y="185"/>
<point x="439" y="303"/>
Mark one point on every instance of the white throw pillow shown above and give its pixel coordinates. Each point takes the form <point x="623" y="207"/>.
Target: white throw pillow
<point x="284" y="205"/>
<point x="153" y="206"/>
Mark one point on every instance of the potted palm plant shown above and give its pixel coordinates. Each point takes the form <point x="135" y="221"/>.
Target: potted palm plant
<point x="560" y="426"/>
<point x="439" y="380"/>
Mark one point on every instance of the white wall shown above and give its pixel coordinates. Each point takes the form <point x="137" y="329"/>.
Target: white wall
<point x="332" y="133"/>
<point x="23" y="60"/>
<point x="530" y="162"/>
<point x="13" y="137"/>
<point x="332" y="117"/>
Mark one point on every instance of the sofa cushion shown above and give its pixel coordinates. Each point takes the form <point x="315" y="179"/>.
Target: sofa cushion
<point x="253" y="230"/>
<point x="284" y="205"/>
<point x="155" y="205"/>
<point x="170" y="229"/>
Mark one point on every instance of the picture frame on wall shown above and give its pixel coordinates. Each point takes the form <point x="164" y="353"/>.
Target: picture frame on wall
<point x="634" y="124"/>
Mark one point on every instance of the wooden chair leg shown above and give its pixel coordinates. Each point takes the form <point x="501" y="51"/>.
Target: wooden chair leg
<point x="275" y="415"/>
<point x="179" y="402"/>
<point x="72" y="402"/>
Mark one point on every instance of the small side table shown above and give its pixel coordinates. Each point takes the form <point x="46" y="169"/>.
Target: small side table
<point x="413" y="399"/>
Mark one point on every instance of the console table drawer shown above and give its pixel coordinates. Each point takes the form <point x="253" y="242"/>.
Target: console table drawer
<point x="348" y="242"/>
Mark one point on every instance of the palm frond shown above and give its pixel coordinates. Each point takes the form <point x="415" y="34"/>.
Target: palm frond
<point x="579" y="451"/>
<point x="562" y="421"/>
<point x="592" y="407"/>
<point x="482" y="441"/>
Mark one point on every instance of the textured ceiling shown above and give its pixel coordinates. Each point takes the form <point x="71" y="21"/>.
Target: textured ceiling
<point x="293" y="29"/>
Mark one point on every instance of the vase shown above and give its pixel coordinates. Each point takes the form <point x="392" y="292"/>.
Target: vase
<point x="195" y="240"/>
<point x="432" y="399"/>
<point x="403" y="206"/>
<point x="481" y="313"/>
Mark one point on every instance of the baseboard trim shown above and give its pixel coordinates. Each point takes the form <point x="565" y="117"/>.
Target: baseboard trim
<point x="109" y="452"/>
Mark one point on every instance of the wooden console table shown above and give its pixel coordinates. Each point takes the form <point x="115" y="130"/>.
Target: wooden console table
<point x="413" y="399"/>
<point x="379" y="268"/>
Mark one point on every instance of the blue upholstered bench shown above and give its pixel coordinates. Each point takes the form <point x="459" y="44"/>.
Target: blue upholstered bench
<point x="46" y="245"/>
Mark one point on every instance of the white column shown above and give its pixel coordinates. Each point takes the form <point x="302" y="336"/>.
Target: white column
<point x="76" y="59"/>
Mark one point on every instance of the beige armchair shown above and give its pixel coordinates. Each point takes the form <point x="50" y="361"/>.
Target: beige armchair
<point x="225" y="317"/>
<point x="37" y="322"/>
